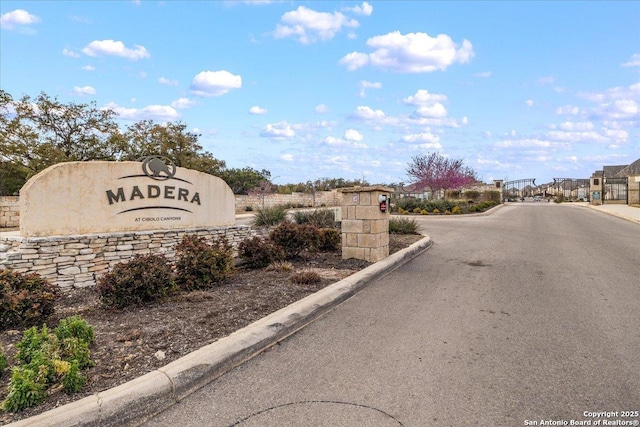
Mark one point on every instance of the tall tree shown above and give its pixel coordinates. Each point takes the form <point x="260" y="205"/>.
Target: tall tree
<point x="37" y="133"/>
<point x="439" y="173"/>
<point x="170" y="140"/>
<point x="246" y="179"/>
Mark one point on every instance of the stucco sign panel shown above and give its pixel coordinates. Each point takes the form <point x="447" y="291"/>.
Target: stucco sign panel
<point x="94" y="197"/>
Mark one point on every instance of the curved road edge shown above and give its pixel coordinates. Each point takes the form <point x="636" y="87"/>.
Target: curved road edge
<point x="134" y="402"/>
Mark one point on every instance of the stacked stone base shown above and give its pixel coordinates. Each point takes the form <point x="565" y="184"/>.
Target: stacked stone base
<point x="79" y="261"/>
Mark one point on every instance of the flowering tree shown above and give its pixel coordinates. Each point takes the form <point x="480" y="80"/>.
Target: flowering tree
<point x="440" y="173"/>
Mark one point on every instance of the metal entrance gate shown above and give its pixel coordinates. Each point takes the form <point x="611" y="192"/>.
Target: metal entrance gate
<point x="521" y="188"/>
<point x="615" y="190"/>
<point x="571" y="189"/>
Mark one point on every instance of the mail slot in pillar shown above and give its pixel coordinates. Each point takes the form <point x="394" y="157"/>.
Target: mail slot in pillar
<point x="365" y="222"/>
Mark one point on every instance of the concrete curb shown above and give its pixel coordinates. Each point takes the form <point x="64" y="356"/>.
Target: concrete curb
<point x="136" y="401"/>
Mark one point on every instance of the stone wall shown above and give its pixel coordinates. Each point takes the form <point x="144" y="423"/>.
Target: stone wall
<point x="78" y="261"/>
<point x="9" y="211"/>
<point x="258" y="201"/>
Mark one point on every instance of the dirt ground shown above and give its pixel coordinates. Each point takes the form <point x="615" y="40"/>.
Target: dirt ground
<point x="134" y="341"/>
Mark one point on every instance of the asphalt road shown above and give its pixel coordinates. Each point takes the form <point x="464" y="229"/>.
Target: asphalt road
<point x="529" y="314"/>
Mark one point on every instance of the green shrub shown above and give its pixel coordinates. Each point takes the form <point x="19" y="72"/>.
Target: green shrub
<point x="493" y="196"/>
<point x="270" y="216"/>
<point x="26" y="389"/>
<point x="72" y="379"/>
<point x="3" y="361"/>
<point x="417" y="210"/>
<point x="456" y="210"/>
<point x="258" y="252"/>
<point x="295" y="238"/>
<point x="46" y="358"/>
<point x="329" y="239"/>
<point x="25" y="299"/>
<point x="142" y="280"/>
<point x="305" y="277"/>
<point x="321" y="218"/>
<point x="33" y="340"/>
<point x="248" y="208"/>
<point x="403" y="226"/>
<point x="74" y="327"/>
<point x="472" y="194"/>
<point x="435" y="211"/>
<point x="201" y="265"/>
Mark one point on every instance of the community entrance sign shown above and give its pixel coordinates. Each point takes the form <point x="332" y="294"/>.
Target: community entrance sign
<point x="96" y="197"/>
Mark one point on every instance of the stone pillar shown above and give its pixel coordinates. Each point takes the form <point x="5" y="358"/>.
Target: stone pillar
<point x="596" y="189"/>
<point x="365" y="228"/>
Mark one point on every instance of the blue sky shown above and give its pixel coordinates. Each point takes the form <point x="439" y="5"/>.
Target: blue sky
<point x="346" y="89"/>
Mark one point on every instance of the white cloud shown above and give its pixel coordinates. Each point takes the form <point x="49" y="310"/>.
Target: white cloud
<point x="215" y="83"/>
<point x="529" y="102"/>
<point x="424" y="98"/>
<point x="70" y="53"/>
<point x="182" y="103"/>
<point x="88" y="67"/>
<point x="84" y="90"/>
<point x="366" y="9"/>
<point x="168" y="82"/>
<point x="150" y="112"/>
<point x="634" y="61"/>
<point x="436" y="110"/>
<point x="321" y="109"/>
<point x="567" y="110"/>
<point x="307" y="25"/>
<point x="363" y="84"/>
<point x="433" y="141"/>
<point x="287" y="157"/>
<point x="352" y="135"/>
<point x="577" y="126"/>
<point x="367" y="113"/>
<point x="115" y="48"/>
<point x="344" y="142"/>
<point x="523" y="143"/>
<point x="81" y="19"/>
<point x="257" y="110"/>
<point x="410" y="53"/>
<point x="624" y="109"/>
<point x="546" y="80"/>
<point x="278" y="131"/>
<point x="575" y="136"/>
<point x="354" y="60"/>
<point x="18" y="17"/>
